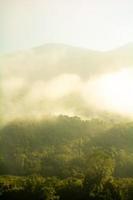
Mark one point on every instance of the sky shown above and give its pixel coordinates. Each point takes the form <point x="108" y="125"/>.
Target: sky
<point x="94" y="24"/>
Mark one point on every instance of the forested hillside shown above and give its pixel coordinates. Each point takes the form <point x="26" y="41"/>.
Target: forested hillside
<point x="66" y="99"/>
<point x="66" y="158"/>
<point x="66" y="129"/>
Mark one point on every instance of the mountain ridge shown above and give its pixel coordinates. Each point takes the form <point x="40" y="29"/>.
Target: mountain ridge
<point x="57" y="59"/>
<point x="63" y="45"/>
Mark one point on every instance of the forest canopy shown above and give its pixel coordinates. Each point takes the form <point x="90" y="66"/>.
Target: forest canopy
<point x="66" y="157"/>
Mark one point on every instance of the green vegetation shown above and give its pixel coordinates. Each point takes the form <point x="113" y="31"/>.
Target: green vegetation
<point x="66" y="158"/>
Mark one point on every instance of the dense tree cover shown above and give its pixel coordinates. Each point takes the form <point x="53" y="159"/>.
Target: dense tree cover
<point x="63" y="158"/>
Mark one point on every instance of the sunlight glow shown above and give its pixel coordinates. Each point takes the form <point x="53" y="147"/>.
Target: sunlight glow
<point x="114" y="92"/>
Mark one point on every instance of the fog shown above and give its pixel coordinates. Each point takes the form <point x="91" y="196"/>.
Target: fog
<point x="67" y="94"/>
<point x="45" y="82"/>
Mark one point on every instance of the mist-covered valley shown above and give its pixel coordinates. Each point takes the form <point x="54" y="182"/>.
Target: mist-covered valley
<point x="66" y="124"/>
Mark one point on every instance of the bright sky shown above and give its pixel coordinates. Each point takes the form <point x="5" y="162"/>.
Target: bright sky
<point x="95" y="24"/>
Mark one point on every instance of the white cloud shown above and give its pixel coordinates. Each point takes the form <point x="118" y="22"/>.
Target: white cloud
<point x="68" y="94"/>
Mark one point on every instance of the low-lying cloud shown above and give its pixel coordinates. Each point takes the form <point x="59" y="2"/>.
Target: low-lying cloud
<point x="68" y="94"/>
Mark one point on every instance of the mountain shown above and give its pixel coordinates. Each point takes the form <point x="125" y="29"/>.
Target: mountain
<point x="53" y="59"/>
<point x="52" y="79"/>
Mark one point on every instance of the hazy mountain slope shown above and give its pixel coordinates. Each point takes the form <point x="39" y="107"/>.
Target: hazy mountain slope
<point x="55" y="79"/>
<point x="53" y="59"/>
